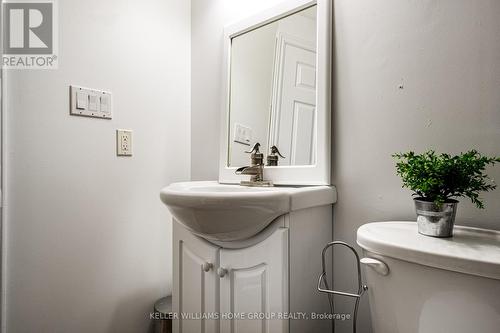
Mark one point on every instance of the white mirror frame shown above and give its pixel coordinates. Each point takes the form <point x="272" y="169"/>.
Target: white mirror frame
<point x="319" y="173"/>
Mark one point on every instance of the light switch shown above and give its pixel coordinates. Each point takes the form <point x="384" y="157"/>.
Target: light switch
<point x="123" y="142"/>
<point x="105" y="103"/>
<point x="93" y="102"/>
<point x="82" y="100"/>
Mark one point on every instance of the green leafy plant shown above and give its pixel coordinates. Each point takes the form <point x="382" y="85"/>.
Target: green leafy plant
<point x="439" y="178"/>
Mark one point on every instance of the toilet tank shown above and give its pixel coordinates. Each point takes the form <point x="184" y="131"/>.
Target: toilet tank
<point x="434" y="285"/>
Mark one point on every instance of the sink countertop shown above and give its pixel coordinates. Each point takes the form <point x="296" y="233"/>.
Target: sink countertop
<point x="227" y="212"/>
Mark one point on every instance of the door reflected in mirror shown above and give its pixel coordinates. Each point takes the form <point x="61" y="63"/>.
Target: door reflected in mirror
<point x="272" y="96"/>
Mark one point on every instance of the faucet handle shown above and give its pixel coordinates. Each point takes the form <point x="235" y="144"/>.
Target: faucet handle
<point x="274" y="150"/>
<point x="255" y="149"/>
<point x="272" y="160"/>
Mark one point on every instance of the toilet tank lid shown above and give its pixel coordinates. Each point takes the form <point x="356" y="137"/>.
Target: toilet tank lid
<point x="471" y="250"/>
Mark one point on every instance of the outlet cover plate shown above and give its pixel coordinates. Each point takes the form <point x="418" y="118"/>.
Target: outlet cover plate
<point x="123" y="142"/>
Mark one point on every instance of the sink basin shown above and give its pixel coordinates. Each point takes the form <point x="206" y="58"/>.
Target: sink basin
<point x="232" y="212"/>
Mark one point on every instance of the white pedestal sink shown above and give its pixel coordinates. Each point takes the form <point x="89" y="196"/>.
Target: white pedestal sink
<point x="232" y="212"/>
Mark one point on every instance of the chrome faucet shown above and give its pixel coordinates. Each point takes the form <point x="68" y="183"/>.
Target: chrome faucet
<point x="255" y="170"/>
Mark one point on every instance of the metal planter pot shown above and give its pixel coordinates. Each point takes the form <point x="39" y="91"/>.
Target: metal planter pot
<point x="435" y="220"/>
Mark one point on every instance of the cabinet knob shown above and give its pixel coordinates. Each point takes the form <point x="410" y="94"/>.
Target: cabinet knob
<point x="207" y="266"/>
<point x="221" y="272"/>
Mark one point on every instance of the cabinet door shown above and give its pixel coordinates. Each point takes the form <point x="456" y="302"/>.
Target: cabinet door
<point x="256" y="282"/>
<point x="195" y="289"/>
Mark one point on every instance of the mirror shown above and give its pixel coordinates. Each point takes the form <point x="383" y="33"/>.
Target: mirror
<point x="272" y="90"/>
<point x="277" y="88"/>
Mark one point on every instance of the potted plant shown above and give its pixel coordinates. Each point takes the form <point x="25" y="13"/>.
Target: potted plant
<point x="437" y="179"/>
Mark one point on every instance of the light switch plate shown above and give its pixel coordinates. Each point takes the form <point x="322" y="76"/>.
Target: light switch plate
<point x="88" y="102"/>
<point x="242" y="134"/>
<point x="123" y="142"/>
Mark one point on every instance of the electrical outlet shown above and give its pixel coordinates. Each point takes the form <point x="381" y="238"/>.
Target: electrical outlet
<point x="123" y="142"/>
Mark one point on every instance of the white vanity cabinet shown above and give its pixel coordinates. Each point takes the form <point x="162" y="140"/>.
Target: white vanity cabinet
<point x="196" y="285"/>
<point x="256" y="282"/>
<point x="274" y="273"/>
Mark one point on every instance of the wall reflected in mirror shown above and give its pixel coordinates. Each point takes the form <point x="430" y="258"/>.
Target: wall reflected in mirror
<point x="273" y="90"/>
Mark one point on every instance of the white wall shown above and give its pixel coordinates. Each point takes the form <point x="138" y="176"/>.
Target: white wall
<point x="207" y="42"/>
<point x="89" y="242"/>
<point x="444" y="54"/>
